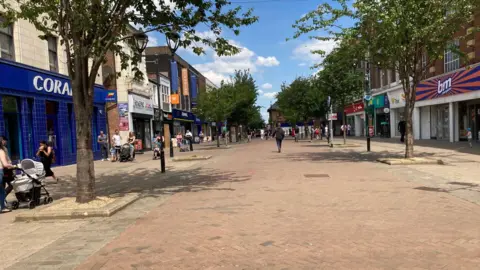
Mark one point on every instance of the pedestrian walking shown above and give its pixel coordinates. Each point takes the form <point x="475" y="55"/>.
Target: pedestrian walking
<point x="4" y="166"/>
<point x="189" y="138"/>
<point x="469" y="137"/>
<point x="117" y="144"/>
<point x="47" y="157"/>
<point x="349" y="128"/>
<point x="279" y="135"/>
<point x="401" y="129"/>
<point x="103" y="143"/>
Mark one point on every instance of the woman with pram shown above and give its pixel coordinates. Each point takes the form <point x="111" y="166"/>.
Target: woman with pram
<point x="6" y="167"/>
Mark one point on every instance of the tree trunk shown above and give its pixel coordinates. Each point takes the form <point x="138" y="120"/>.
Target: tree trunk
<point x="82" y="92"/>
<point x="409" y="106"/>
<point x="218" y="136"/>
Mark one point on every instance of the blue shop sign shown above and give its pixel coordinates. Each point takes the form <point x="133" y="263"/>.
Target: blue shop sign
<point x="198" y="121"/>
<point x="16" y="76"/>
<point x="183" y="115"/>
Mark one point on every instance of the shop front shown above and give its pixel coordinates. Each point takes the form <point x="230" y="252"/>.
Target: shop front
<point x="448" y="105"/>
<point x="396" y="99"/>
<point x="381" y="115"/>
<point x="37" y="105"/>
<point x="355" y="119"/>
<point x="141" y="115"/>
<point x="182" y="121"/>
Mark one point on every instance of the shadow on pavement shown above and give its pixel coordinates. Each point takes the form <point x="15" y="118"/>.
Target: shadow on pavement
<point x="345" y="156"/>
<point x="151" y="181"/>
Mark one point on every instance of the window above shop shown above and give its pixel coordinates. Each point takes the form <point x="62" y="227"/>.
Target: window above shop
<point x="52" y="53"/>
<point x="452" y="58"/>
<point x="6" y="42"/>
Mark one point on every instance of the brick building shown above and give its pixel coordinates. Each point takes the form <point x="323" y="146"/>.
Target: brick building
<point x="190" y="84"/>
<point x="448" y="99"/>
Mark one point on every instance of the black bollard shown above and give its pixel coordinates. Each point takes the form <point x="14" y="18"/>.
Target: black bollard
<point x="162" y="160"/>
<point x="368" y="144"/>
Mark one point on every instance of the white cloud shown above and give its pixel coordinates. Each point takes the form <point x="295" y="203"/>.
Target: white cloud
<point x="216" y="78"/>
<point x="260" y="92"/>
<point x="267" y="86"/>
<point x="304" y="53"/>
<point x="302" y="64"/>
<point x="220" y="67"/>
<point x="270" y="94"/>
<point x="152" y="40"/>
<point x="269" y="61"/>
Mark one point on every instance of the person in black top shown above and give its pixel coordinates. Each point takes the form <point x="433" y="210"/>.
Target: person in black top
<point x="401" y="129"/>
<point x="47" y="157"/>
<point x="279" y="135"/>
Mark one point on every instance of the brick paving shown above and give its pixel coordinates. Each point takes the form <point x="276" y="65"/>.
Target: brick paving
<point x="252" y="208"/>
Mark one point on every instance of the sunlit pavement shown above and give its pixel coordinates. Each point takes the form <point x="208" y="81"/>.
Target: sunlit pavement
<point x="309" y="207"/>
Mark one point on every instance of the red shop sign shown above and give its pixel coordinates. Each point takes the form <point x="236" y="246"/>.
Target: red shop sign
<point x="353" y="108"/>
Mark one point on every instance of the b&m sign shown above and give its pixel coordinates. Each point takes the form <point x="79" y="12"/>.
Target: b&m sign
<point x="464" y="81"/>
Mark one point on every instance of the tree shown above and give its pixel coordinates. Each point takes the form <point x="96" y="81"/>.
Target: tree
<point x="245" y="97"/>
<point x="300" y="101"/>
<point x="216" y="104"/>
<point x="89" y="28"/>
<point x="397" y="35"/>
<point x="340" y="79"/>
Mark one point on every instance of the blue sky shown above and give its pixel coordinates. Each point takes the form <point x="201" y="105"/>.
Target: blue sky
<point x="265" y="51"/>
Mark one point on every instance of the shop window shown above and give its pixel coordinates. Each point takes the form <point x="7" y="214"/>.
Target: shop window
<point x="6" y="42"/>
<point x="11" y="116"/>
<point x="463" y="120"/>
<point x="69" y="132"/>
<point x="52" y="53"/>
<point x="51" y="110"/>
<point x="31" y="146"/>
<point x="451" y="58"/>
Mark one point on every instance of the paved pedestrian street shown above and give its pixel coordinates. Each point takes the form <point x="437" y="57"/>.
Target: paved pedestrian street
<point x="249" y="207"/>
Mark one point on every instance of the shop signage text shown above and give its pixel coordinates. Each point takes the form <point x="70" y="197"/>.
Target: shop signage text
<point x="461" y="82"/>
<point x="332" y="117"/>
<point x="50" y="85"/>
<point x="444" y="87"/>
<point x="140" y="105"/>
<point x="356" y="107"/>
<point x="23" y="78"/>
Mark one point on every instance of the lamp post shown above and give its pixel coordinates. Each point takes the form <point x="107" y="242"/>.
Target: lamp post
<point x="175" y="39"/>
<point x="366" y="99"/>
<point x="141" y="41"/>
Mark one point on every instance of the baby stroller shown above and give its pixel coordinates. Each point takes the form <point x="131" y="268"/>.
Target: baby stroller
<point x="28" y="185"/>
<point x="185" y="147"/>
<point x="125" y="153"/>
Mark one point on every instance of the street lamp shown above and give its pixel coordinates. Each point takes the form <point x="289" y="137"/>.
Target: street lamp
<point x="173" y="41"/>
<point x="141" y="41"/>
<point x="366" y="99"/>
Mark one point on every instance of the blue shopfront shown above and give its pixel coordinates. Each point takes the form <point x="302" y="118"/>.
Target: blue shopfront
<point x="36" y="105"/>
<point x="182" y="121"/>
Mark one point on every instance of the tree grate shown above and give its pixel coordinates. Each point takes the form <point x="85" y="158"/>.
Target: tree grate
<point x="321" y="175"/>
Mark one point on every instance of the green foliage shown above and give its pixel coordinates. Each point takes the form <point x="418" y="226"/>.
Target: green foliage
<point x="395" y="34"/>
<point x="245" y="96"/>
<point x="340" y="79"/>
<point x="234" y="101"/>
<point x="216" y="104"/>
<point x="301" y="100"/>
<point x="88" y="29"/>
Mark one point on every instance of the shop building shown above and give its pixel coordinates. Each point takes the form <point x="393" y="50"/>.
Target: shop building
<point x="134" y="110"/>
<point x="36" y="105"/>
<point x="356" y="118"/>
<point x="186" y="83"/>
<point x="396" y="98"/>
<point x="36" y="95"/>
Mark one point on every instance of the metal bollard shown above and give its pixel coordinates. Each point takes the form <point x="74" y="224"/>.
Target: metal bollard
<point x="368" y="144"/>
<point x="162" y="160"/>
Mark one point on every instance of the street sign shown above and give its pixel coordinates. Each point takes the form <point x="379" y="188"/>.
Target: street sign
<point x="332" y="117"/>
<point x="367" y="97"/>
<point x="371" y="131"/>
